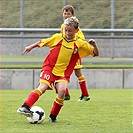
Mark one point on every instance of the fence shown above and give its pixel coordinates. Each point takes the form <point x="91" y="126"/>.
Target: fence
<point x="116" y="45"/>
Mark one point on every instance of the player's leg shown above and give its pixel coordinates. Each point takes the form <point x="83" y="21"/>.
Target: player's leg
<point x="67" y="95"/>
<point x="58" y="102"/>
<point x="32" y="98"/>
<point x="77" y="66"/>
<point x="45" y="83"/>
<point x="82" y="82"/>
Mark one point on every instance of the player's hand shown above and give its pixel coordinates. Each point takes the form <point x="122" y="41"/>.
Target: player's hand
<point x="27" y="50"/>
<point x="92" y="42"/>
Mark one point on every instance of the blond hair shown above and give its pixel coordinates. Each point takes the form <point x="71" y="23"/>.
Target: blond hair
<point x="72" y="21"/>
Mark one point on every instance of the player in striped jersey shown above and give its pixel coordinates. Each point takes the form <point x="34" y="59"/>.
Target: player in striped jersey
<point x="65" y="50"/>
<point x="68" y="11"/>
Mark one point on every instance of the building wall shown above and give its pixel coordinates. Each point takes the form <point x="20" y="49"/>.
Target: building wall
<point x="122" y="48"/>
<point x="16" y="79"/>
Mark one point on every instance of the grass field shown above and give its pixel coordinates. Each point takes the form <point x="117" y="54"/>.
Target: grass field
<point x="31" y="62"/>
<point x="108" y="111"/>
<point x="91" y="13"/>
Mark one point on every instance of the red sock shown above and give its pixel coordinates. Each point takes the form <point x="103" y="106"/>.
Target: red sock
<point x="83" y="88"/>
<point x="32" y="98"/>
<point x="58" y="103"/>
<point x="67" y="92"/>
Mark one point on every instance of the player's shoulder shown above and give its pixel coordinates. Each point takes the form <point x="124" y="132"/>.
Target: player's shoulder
<point x="56" y="35"/>
<point x="80" y="39"/>
<point x="79" y="28"/>
<point x="80" y="34"/>
<point x="62" y="25"/>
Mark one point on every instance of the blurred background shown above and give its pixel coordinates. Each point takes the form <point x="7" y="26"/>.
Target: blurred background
<point x="109" y="22"/>
<point x="98" y="14"/>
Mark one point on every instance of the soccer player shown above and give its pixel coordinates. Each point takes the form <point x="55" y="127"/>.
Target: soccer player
<point x="67" y="12"/>
<point x="65" y="50"/>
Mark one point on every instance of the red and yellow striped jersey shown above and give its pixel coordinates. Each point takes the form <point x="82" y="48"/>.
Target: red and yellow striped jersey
<point x="80" y="35"/>
<point x="64" y="53"/>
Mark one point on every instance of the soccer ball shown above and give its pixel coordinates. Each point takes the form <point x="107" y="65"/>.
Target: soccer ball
<point x="38" y="115"/>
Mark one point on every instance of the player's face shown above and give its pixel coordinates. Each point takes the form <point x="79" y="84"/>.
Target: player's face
<point x="67" y="14"/>
<point x="70" y="32"/>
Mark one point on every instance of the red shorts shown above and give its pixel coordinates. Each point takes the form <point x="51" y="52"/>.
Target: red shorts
<point x="50" y="79"/>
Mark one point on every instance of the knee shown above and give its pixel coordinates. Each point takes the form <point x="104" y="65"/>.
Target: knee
<point x="42" y="87"/>
<point x="62" y="91"/>
<point x="78" y="72"/>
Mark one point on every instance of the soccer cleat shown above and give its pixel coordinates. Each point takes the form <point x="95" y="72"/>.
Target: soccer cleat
<point x="52" y="119"/>
<point x="67" y="97"/>
<point x="25" y="112"/>
<point x="84" y="98"/>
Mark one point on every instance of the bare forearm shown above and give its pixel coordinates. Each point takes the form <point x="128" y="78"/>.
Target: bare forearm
<point x="94" y="44"/>
<point x="34" y="45"/>
<point x="96" y="50"/>
<point x="30" y="47"/>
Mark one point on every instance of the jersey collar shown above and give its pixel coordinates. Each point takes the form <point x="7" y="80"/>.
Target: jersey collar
<point x="74" y="39"/>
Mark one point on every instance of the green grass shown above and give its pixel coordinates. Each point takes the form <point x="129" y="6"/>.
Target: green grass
<point x="24" y="58"/>
<point x="104" y="63"/>
<point x="108" y="111"/>
<point x="48" y="13"/>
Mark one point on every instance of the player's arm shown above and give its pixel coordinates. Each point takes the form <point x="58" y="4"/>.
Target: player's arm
<point x="49" y="42"/>
<point x="30" y="47"/>
<point x="94" y="44"/>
